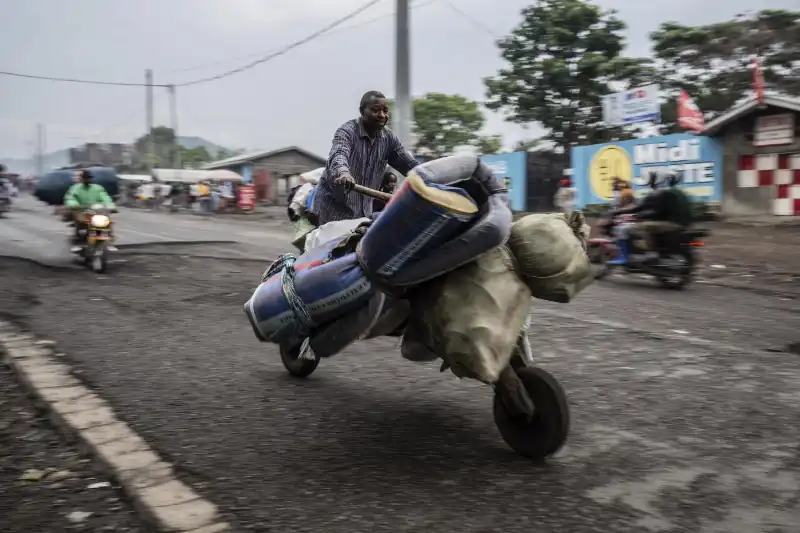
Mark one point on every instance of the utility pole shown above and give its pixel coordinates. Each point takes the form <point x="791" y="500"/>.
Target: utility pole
<point x="403" y="117"/>
<point x="173" y="123"/>
<point x="39" y="149"/>
<point x="150" y="150"/>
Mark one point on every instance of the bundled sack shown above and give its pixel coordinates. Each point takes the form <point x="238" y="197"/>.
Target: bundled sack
<point x="333" y="230"/>
<point x="471" y="317"/>
<point x="328" y="284"/>
<point x="452" y="246"/>
<point x="52" y="187"/>
<point x="551" y="255"/>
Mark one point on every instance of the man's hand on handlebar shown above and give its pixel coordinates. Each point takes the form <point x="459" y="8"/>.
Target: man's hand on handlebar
<point x="345" y="179"/>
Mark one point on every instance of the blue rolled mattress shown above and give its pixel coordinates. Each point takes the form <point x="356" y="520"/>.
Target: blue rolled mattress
<point x="329" y="288"/>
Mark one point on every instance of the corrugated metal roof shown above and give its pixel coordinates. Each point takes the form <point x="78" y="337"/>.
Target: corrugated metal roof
<point x="183" y="175"/>
<point x="750" y="105"/>
<point x="261" y="154"/>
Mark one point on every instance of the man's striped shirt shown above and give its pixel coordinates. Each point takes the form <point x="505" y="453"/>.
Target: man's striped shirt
<point x="366" y="158"/>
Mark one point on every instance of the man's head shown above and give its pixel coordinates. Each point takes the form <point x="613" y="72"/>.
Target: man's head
<point x="2" y="169"/>
<point x="85" y="177"/>
<point x="374" y="110"/>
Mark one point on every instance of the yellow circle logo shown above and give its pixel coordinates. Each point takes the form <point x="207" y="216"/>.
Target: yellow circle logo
<point x="609" y="163"/>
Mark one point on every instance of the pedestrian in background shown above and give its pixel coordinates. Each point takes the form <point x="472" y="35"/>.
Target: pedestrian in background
<point x="564" y="198"/>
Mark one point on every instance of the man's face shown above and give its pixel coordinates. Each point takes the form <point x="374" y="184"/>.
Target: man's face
<point x="376" y="113"/>
<point x="84" y="178"/>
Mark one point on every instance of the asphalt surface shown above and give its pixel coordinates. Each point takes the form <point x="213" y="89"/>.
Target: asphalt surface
<point x="48" y="487"/>
<point x="685" y="405"/>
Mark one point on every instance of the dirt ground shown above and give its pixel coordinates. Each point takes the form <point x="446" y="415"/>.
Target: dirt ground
<point x="47" y="486"/>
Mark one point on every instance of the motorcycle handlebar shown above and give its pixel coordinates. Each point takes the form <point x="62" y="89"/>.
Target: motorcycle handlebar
<point x="372" y="193"/>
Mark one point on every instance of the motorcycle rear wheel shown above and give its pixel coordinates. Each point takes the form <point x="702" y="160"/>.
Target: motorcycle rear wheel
<point x="598" y="257"/>
<point x="547" y="431"/>
<point x="299" y="368"/>
<point x="679" y="281"/>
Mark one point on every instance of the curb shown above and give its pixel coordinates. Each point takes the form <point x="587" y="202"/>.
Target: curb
<point x="149" y="481"/>
<point x="167" y="244"/>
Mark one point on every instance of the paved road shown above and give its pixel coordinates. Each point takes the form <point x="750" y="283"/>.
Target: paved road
<point x="686" y="413"/>
<point x="31" y="230"/>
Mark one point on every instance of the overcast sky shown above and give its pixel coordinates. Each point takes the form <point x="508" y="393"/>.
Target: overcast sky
<point x="299" y="98"/>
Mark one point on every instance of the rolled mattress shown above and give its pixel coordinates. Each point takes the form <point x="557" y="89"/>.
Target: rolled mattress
<point x="328" y="288"/>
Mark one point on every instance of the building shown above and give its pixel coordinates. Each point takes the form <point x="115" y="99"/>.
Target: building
<point x="761" y="157"/>
<point x="270" y="170"/>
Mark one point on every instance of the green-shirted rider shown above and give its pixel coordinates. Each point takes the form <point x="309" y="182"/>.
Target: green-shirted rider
<point x="82" y="196"/>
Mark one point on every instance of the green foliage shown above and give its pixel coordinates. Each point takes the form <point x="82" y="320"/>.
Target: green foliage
<point x="443" y="122"/>
<point x="566" y="54"/>
<point x="561" y="60"/>
<point x="714" y="62"/>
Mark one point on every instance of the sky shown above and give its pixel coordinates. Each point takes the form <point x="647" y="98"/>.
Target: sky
<point x="299" y="98"/>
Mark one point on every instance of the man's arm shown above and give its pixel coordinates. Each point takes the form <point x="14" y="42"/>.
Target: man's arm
<point x="339" y="158"/>
<point x="70" y="199"/>
<point x="105" y="199"/>
<point x="399" y="158"/>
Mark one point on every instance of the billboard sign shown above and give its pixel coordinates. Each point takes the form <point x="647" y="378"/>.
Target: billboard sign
<point x="595" y="167"/>
<point x="511" y="170"/>
<point x="633" y="106"/>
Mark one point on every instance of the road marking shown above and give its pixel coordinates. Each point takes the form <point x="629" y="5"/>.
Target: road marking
<point x="147" y="479"/>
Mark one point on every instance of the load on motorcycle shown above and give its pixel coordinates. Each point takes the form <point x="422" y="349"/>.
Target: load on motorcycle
<point x="83" y="201"/>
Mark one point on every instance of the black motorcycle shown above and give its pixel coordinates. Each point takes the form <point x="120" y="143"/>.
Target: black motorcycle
<point x="673" y="268"/>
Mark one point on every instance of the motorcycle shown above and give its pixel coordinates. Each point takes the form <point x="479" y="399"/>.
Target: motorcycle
<point x="530" y="407"/>
<point x="674" y="267"/>
<point x="94" y="231"/>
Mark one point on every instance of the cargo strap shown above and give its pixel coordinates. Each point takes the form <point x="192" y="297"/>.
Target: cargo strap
<point x="285" y="265"/>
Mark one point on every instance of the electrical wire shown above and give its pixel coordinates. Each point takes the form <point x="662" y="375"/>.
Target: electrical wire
<point x="475" y="22"/>
<point x="207" y="79"/>
<point x="202" y="66"/>
<point x="283" y="50"/>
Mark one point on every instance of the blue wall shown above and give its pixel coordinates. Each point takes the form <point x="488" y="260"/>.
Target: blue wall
<point x="595" y="166"/>
<point x="513" y="170"/>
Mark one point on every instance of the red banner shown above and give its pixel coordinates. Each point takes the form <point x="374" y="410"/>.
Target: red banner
<point x="689" y="115"/>
<point x="247" y="198"/>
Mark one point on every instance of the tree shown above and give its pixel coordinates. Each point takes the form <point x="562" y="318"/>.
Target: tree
<point x="443" y="122"/>
<point x="561" y="61"/>
<point x="714" y="62"/>
<point x="163" y="147"/>
<point x="194" y="157"/>
<point x="489" y="144"/>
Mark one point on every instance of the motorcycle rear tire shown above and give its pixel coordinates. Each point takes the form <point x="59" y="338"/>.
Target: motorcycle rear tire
<point x="547" y="431"/>
<point x="670" y="282"/>
<point x="299" y="368"/>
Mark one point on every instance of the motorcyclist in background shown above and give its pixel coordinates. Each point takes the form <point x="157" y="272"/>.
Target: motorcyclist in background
<point x="82" y="196"/>
<point x="662" y="211"/>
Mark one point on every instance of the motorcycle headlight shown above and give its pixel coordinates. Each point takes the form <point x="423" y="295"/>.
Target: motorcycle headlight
<point x="100" y="221"/>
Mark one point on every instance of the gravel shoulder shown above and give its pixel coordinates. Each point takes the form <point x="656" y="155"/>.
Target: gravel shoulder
<point x="47" y="485"/>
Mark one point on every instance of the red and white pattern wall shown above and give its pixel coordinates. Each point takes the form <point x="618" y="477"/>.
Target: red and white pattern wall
<point x="779" y="171"/>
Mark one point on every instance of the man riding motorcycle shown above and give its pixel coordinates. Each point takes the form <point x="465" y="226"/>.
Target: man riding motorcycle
<point x="662" y="211"/>
<point x="82" y="196"/>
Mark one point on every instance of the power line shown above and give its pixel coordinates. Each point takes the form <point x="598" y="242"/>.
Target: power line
<point x="225" y="74"/>
<point x="331" y="32"/>
<point x="76" y="80"/>
<point x="475" y="22"/>
<point x="283" y="50"/>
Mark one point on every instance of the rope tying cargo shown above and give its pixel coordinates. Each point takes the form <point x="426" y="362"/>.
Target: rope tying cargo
<point x="285" y="265"/>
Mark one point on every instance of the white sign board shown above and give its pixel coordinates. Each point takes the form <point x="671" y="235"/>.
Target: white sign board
<point x="633" y="106"/>
<point x="774" y="130"/>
